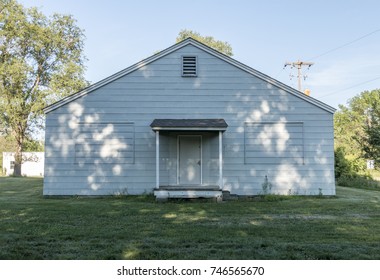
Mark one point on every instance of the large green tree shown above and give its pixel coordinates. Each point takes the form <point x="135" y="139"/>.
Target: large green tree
<point x="221" y="46"/>
<point x="357" y="126"/>
<point x="41" y="61"/>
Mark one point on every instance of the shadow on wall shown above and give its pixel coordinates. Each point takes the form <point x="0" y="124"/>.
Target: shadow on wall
<point x="281" y="144"/>
<point x="265" y="131"/>
<point x="93" y="149"/>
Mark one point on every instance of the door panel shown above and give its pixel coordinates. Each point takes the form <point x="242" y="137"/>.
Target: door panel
<point x="190" y="162"/>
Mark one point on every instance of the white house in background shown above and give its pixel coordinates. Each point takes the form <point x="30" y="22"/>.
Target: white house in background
<point x="189" y="121"/>
<point x="32" y="164"/>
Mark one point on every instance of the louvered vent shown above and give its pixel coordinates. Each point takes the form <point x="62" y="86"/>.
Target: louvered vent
<point x="189" y="66"/>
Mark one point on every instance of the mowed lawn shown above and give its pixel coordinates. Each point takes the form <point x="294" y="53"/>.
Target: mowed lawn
<point x="33" y="227"/>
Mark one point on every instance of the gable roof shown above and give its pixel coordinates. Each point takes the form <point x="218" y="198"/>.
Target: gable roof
<point x="189" y="41"/>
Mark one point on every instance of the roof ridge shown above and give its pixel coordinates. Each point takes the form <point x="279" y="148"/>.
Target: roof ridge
<point x="181" y="44"/>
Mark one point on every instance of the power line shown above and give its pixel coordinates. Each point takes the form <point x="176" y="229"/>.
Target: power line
<point x="330" y="51"/>
<point x="356" y="85"/>
<point x="344" y="45"/>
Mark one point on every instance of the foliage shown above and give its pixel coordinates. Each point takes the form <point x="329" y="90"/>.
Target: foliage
<point x="266" y="186"/>
<point x="223" y="47"/>
<point x="346" y="125"/>
<point x="371" y="141"/>
<point x="348" y="166"/>
<point x="351" y="172"/>
<point x="31" y="145"/>
<point x="41" y="61"/>
<point x="357" y="126"/>
<point x="359" y="182"/>
<point x="33" y="227"/>
<point x="7" y="144"/>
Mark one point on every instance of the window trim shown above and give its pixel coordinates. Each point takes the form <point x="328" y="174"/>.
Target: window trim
<point x="302" y="145"/>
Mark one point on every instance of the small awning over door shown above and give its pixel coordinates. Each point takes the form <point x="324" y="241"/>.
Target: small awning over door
<point x="189" y="125"/>
<point x="211" y="125"/>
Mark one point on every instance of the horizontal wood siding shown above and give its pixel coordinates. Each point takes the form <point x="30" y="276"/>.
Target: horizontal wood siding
<point x="272" y="142"/>
<point x="76" y="164"/>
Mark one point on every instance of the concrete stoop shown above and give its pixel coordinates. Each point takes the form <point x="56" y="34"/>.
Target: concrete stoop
<point x="166" y="192"/>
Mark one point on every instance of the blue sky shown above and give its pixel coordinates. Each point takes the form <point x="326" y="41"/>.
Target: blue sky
<point x="263" y="35"/>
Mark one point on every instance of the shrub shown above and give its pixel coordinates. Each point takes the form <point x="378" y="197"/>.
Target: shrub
<point x="359" y="182"/>
<point x="349" y="166"/>
<point x="266" y="186"/>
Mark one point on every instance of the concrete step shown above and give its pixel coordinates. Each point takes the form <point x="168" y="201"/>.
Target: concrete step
<point x="163" y="195"/>
<point x="190" y="187"/>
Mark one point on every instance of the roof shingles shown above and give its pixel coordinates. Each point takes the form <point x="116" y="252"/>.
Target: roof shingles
<point x="172" y="124"/>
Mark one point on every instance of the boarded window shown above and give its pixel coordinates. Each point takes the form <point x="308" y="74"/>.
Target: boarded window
<point x="189" y="66"/>
<point x="105" y="143"/>
<point x="273" y="143"/>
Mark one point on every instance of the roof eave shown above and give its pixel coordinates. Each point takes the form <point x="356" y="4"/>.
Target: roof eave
<point x="158" y="128"/>
<point x="173" y="48"/>
<point x="113" y="77"/>
<point x="266" y="78"/>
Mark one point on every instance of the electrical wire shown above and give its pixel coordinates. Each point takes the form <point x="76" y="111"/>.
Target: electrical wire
<point x="344" y="45"/>
<point x="337" y="48"/>
<point x="356" y="85"/>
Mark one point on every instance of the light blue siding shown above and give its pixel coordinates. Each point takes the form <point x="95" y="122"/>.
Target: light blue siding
<point x="77" y="132"/>
<point x="274" y="141"/>
<point x="110" y="143"/>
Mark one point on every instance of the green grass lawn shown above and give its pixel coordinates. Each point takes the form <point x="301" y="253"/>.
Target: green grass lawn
<point x="33" y="227"/>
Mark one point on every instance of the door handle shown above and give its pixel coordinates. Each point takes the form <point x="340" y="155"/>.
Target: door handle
<point x="199" y="162"/>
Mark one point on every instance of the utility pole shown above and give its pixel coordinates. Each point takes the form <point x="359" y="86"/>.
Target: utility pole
<point x="298" y="64"/>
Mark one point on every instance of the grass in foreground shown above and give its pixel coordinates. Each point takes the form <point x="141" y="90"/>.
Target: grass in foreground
<point x="33" y="227"/>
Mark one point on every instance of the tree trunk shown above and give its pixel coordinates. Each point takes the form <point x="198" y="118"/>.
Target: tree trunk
<point x="18" y="159"/>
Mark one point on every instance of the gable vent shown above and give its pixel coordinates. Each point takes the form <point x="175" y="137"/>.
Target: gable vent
<point x="189" y="66"/>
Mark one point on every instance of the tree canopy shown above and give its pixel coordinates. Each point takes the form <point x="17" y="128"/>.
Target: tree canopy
<point x="221" y="46"/>
<point x="41" y="61"/>
<point x="357" y="126"/>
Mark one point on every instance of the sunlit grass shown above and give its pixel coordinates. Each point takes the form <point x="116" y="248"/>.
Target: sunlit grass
<point x="33" y="227"/>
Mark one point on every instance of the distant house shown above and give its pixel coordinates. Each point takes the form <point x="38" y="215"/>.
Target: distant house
<point x="32" y="164"/>
<point x="189" y="121"/>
